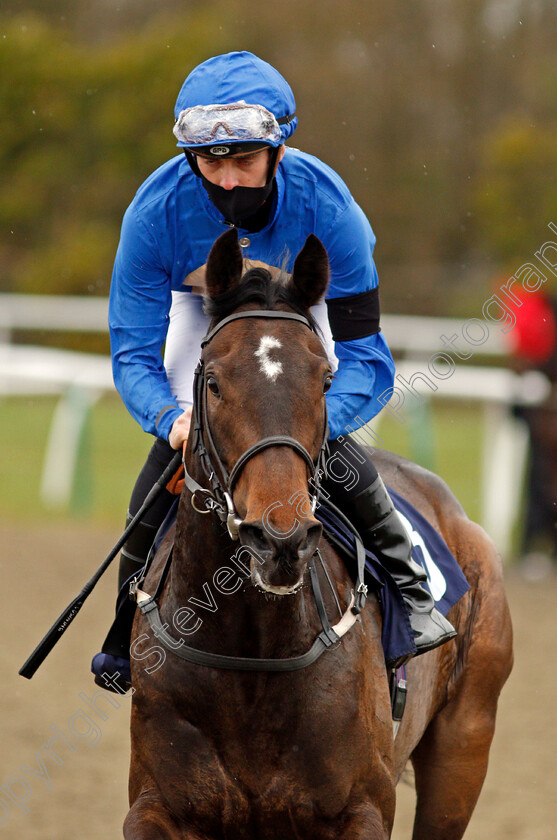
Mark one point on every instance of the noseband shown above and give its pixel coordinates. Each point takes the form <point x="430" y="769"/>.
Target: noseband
<point x="219" y="498"/>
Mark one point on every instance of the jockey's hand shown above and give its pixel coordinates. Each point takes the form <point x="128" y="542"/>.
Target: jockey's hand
<point x="180" y="429"/>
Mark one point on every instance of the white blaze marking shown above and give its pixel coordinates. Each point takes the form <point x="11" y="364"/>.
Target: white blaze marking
<point x="270" y="368"/>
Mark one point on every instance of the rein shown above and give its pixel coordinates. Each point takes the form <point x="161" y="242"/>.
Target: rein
<point x="219" y="500"/>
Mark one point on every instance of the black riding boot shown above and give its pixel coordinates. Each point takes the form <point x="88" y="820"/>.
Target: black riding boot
<point x="112" y="666"/>
<point x="383" y="532"/>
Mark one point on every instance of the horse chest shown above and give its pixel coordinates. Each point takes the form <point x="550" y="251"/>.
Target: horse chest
<point x="230" y="769"/>
<point x="248" y="789"/>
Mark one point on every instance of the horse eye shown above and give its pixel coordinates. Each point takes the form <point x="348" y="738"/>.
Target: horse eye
<point x="212" y="385"/>
<point x="327" y="383"/>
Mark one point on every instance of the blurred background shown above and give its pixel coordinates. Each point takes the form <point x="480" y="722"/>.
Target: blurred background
<point x="441" y="116"/>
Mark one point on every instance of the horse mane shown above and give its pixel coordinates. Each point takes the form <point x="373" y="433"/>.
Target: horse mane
<point x="257" y="286"/>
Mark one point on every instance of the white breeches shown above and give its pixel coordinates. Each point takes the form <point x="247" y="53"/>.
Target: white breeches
<point x="188" y="325"/>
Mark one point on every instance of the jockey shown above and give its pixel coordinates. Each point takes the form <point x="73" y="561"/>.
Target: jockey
<point x="233" y="115"/>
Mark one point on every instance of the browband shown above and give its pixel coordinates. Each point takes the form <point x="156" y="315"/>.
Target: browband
<point x="254" y="313"/>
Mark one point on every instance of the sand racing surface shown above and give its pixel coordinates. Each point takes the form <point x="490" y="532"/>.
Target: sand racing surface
<point x="77" y="788"/>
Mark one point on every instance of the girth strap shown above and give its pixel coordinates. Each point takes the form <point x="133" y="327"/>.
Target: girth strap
<point x="319" y="603"/>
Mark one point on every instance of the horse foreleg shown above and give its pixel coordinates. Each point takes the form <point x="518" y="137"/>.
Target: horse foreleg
<point x="450" y="764"/>
<point x="150" y="819"/>
<point x="368" y="821"/>
<point x="450" y="761"/>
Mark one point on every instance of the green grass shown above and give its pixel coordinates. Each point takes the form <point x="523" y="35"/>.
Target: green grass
<point x="115" y="449"/>
<point x="446" y="438"/>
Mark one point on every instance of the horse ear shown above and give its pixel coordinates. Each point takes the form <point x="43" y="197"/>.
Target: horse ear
<point x="310" y="276"/>
<point x="224" y="264"/>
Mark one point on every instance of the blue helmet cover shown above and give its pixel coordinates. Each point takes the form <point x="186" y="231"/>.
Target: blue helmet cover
<point x="236" y="76"/>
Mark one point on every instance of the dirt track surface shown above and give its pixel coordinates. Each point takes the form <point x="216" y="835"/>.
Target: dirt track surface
<point x="83" y="794"/>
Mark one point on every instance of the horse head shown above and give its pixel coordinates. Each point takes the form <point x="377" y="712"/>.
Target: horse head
<point x="263" y="389"/>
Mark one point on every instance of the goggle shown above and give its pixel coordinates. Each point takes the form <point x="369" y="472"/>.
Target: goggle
<point x="237" y="122"/>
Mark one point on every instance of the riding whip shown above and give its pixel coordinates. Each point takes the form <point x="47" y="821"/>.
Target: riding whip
<point x="65" y="618"/>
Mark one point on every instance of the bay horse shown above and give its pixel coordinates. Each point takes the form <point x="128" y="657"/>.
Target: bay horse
<point x="249" y="753"/>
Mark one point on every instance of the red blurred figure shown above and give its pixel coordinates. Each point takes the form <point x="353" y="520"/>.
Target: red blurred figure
<point x="533" y="344"/>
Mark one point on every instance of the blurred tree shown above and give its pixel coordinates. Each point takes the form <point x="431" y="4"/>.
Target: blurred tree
<point x="398" y="97"/>
<point x="80" y="127"/>
<point x="439" y="114"/>
<point x="517" y="188"/>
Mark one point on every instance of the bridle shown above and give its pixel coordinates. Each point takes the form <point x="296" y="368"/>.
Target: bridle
<point x="220" y="498"/>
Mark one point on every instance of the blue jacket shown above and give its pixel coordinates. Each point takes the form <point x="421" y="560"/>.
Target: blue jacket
<point x="171" y="225"/>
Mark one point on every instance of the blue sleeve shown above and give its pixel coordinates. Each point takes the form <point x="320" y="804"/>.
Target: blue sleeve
<point x="366" y="367"/>
<point x="139" y="304"/>
<point x="365" y="370"/>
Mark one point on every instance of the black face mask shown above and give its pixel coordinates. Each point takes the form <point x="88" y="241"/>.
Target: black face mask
<point x="239" y="205"/>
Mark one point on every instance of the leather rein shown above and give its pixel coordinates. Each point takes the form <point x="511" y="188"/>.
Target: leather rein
<point x="219" y="499"/>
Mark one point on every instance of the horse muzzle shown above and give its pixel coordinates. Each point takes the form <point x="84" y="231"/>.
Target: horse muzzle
<point x="279" y="562"/>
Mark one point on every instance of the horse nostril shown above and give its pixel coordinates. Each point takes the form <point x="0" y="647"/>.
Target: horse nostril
<point x="253" y="537"/>
<point x="309" y="543"/>
<point x="279" y="562"/>
<point x="299" y="545"/>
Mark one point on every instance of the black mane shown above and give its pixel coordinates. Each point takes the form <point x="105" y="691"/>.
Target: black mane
<point x="257" y="287"/>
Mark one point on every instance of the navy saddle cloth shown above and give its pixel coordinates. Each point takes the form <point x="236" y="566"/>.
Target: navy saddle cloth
<point x="445" y="579"/>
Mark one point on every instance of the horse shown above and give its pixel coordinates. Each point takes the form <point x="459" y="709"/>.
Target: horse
<point x="224" y="747"/>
